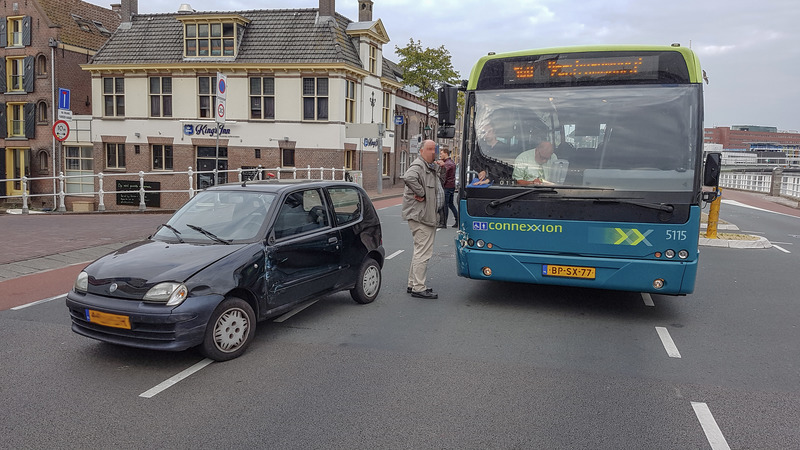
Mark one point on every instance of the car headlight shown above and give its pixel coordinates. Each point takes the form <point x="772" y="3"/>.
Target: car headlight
<point x="173" y="294"/>
<point x="82" y="282"/>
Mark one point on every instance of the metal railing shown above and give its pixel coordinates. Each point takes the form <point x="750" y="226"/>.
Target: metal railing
<point x="242" y="174"/>
<point x="761" y="182"/>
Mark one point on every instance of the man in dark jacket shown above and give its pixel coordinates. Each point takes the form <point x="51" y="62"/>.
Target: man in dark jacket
<point x="448" y="178"/>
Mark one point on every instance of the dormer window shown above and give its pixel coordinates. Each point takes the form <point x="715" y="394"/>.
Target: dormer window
<point x="103" y="30"/>
<point x="211" y="36"/>
<point x="83" y="24"/>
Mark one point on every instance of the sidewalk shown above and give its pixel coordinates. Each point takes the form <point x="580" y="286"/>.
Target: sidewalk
<point x="39" y="242"/>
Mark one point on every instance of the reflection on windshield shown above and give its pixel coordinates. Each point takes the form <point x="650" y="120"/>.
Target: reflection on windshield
<point x="641" y="138"/>
<point x="219" y="217"/>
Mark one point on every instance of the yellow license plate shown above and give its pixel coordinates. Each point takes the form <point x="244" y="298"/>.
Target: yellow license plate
<point x="568" y="271"/>
<point x="108" y="320"/>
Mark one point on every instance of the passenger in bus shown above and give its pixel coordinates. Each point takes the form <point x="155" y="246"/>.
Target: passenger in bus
<point x="481" y="180"/>
<point x="535" y="166"/>
<point x="490" y="145"/>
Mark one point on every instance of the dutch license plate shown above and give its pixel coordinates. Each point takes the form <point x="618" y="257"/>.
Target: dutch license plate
<point x="553" y="270"/>
<point x="108" y="320"/>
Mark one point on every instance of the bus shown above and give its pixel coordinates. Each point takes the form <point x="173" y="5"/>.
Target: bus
<point x="582" y="166"/>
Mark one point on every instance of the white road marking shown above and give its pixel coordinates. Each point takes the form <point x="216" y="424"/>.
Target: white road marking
<point x="781" y="248"/>
<point x="648" y="300"/>
<point x="45" y="300"/>
<point x="669" y="345"/>
<point x="735" y="203"/>
<point x="710" y="427"/>
<point x="395" y="254"/>
<point x="299" y="308"/>
<point x="175" y="379"/>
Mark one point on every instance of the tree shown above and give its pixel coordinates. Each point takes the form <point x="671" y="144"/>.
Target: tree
<point x="426" y="69"/>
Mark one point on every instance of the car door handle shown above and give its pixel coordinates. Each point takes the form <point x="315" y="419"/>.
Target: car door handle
<point x="333" y="240"/>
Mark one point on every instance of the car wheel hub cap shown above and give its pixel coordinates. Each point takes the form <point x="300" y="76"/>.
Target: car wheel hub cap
<point x="231" y="330"/>
<point x="371" y="281"/>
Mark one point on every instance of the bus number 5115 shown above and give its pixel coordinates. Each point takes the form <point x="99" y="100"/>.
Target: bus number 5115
<point x="676" y="235"/>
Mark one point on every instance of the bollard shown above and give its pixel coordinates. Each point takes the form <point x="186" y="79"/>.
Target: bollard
<point x="25" y="195"/>
<point x="713" y="216"/>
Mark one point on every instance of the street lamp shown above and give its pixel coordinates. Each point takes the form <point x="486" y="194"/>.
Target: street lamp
<point x="372" y="103"/>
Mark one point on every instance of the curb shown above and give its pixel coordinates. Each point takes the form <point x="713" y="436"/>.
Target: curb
<point x="761" y="242"/>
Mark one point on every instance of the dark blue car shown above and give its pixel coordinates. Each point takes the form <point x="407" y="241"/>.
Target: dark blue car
<point x="232" y="256"/>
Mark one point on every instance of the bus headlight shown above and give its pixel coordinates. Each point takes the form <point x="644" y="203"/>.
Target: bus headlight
<point x="683" y="254"/>
<point x="480" y="243"/>
<point x="658" y="283"/>
<point x="669" y="253"/>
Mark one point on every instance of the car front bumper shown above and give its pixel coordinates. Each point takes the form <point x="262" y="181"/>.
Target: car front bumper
<point x="153" y="326"/>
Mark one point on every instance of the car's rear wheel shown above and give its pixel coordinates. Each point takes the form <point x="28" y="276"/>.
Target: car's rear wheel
<point x="230" y="330"/>
<point x="368" y="284"/>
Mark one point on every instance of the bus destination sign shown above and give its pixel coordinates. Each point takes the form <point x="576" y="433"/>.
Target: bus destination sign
<point x="563" y="68"/>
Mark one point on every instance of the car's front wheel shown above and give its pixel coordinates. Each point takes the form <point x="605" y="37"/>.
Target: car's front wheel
<point x="368" y="284"/>
<point x="230" y="330"/>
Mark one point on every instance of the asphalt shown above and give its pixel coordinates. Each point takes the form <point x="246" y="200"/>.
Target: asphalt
<point x="35" y="243"/>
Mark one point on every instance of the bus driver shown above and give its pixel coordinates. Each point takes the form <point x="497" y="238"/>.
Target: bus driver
<point x="535" y="166"/>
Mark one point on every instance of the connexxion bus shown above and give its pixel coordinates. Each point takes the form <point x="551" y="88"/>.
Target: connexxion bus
<point x="592" y="159"/>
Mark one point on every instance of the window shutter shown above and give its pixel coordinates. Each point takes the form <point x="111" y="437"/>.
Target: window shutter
<point x="29" y="110"/>
<point x="26" y="31"/>
<point x="3" y="121"/>
<point x="3" y="34"/>
<point x="3" y="175"/>
<point x="27" y="77"/>
<point x="2" y="74"/>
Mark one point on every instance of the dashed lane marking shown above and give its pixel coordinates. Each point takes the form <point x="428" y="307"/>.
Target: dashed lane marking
<point x="710" y="427"/>
<point x="780" y="248"/>
<point x="175" y="379"/>
<point x="648" y="300"/>
<point x="45" y="300"/>
<point x="669" y="345"/>
<point x="394" y="254"/>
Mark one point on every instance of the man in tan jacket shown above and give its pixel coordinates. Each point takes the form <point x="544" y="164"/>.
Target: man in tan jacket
<point x="421" y="197"/>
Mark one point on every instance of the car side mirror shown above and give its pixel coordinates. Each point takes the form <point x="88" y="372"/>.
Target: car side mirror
<point x="712" y="169"/>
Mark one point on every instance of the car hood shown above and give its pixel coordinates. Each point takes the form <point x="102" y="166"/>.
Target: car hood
<point x="139" y="266"/>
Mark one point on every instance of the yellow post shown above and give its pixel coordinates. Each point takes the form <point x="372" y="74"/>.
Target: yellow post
<point x="713" y="216"/>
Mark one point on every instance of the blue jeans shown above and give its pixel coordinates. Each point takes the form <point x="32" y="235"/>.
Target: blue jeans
<point x="449" y="193"/>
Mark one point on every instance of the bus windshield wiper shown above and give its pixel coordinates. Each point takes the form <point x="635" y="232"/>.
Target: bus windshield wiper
<point x="536" y="189"/>
<point x="208" y="234"/>
<point x="658" y="206"/>
<point x="177" y="233"/>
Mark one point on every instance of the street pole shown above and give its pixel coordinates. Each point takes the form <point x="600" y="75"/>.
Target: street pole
<point x="216" y="156"/>
<point x="381" y="129"/>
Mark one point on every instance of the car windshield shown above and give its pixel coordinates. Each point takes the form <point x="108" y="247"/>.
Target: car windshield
<point x="219" y="217"/>
<point x="621" y="138"/>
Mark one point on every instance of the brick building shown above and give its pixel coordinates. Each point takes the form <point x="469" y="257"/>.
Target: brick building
<point x="753" y="138"/>
<point x="43" y="43"/>
<point x="295" y="79"/>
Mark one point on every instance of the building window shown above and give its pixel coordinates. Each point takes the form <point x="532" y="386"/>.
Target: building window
<point x="350" y="101"/>
<point x="350" y="159"/>
<point x="41" y="112"/>
<point x="115" y="156"/>
<point x="373" y="59"/>
<point x="162" y="157"/>
<point x="44" y="162"/>
<point x="287" y="157"/>
<point x="16" y="119"/>
<point x="160" y="97"/>
<point x="79" y="164"/>
<point x="387" y="109"/>
<point x="15" y="74"/>
<point x="83" y="24"/>
<point x="315" y="99"/>
<point x="114" y="96"/>
<point x="15" y="25"/>
<point x="262" y="98"/>
<point x="41" y="65"/>
<point x="210" y="39"/>
<point x="208" y="96"/>
<point x="385" y="170"/>
<point x="403" y="161"/>
<point x="404" y="129"/>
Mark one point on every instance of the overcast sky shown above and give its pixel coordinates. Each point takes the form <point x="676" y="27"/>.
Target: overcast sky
<point x="750" y="50"/>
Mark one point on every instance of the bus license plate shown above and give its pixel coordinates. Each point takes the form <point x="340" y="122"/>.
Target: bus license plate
<point x="109" y="320"/>
<point x="568" y="271"/>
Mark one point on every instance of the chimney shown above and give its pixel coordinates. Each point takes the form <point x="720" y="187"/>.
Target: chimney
<point x="129" y="9"/>
<point x="365" y="10"/>
<point x="327" y="9"/>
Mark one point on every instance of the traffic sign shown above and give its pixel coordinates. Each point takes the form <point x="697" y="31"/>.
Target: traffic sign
<point x="222" y="86"/>
<point x="64" y="114"/>
<point x="220" y="115"/>
<point x="61" y="130"/>
<point x="63" y="98"/>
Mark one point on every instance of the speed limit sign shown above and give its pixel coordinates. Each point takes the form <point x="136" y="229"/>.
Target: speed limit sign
<point x="61" y="130"/>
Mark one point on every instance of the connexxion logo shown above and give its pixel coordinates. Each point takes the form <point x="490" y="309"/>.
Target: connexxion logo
<point x="511" y="226"/>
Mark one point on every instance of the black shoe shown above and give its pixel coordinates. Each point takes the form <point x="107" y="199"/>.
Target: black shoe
<point x="428" y="293"/>
<point x="455" y="225"/>
<point x="408" y="290"/>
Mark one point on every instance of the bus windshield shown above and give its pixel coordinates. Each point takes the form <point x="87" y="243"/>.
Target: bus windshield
<point x="625" y="138"/>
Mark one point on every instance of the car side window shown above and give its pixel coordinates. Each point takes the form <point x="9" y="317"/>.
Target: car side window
<point x="346" y="204"/>
<point x="301" y="212"/>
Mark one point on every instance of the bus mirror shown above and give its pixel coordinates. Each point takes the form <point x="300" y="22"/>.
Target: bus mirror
<point x="446" y="132"/>
<point x="448" y="104"/>
<point x="712" y="169"/>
